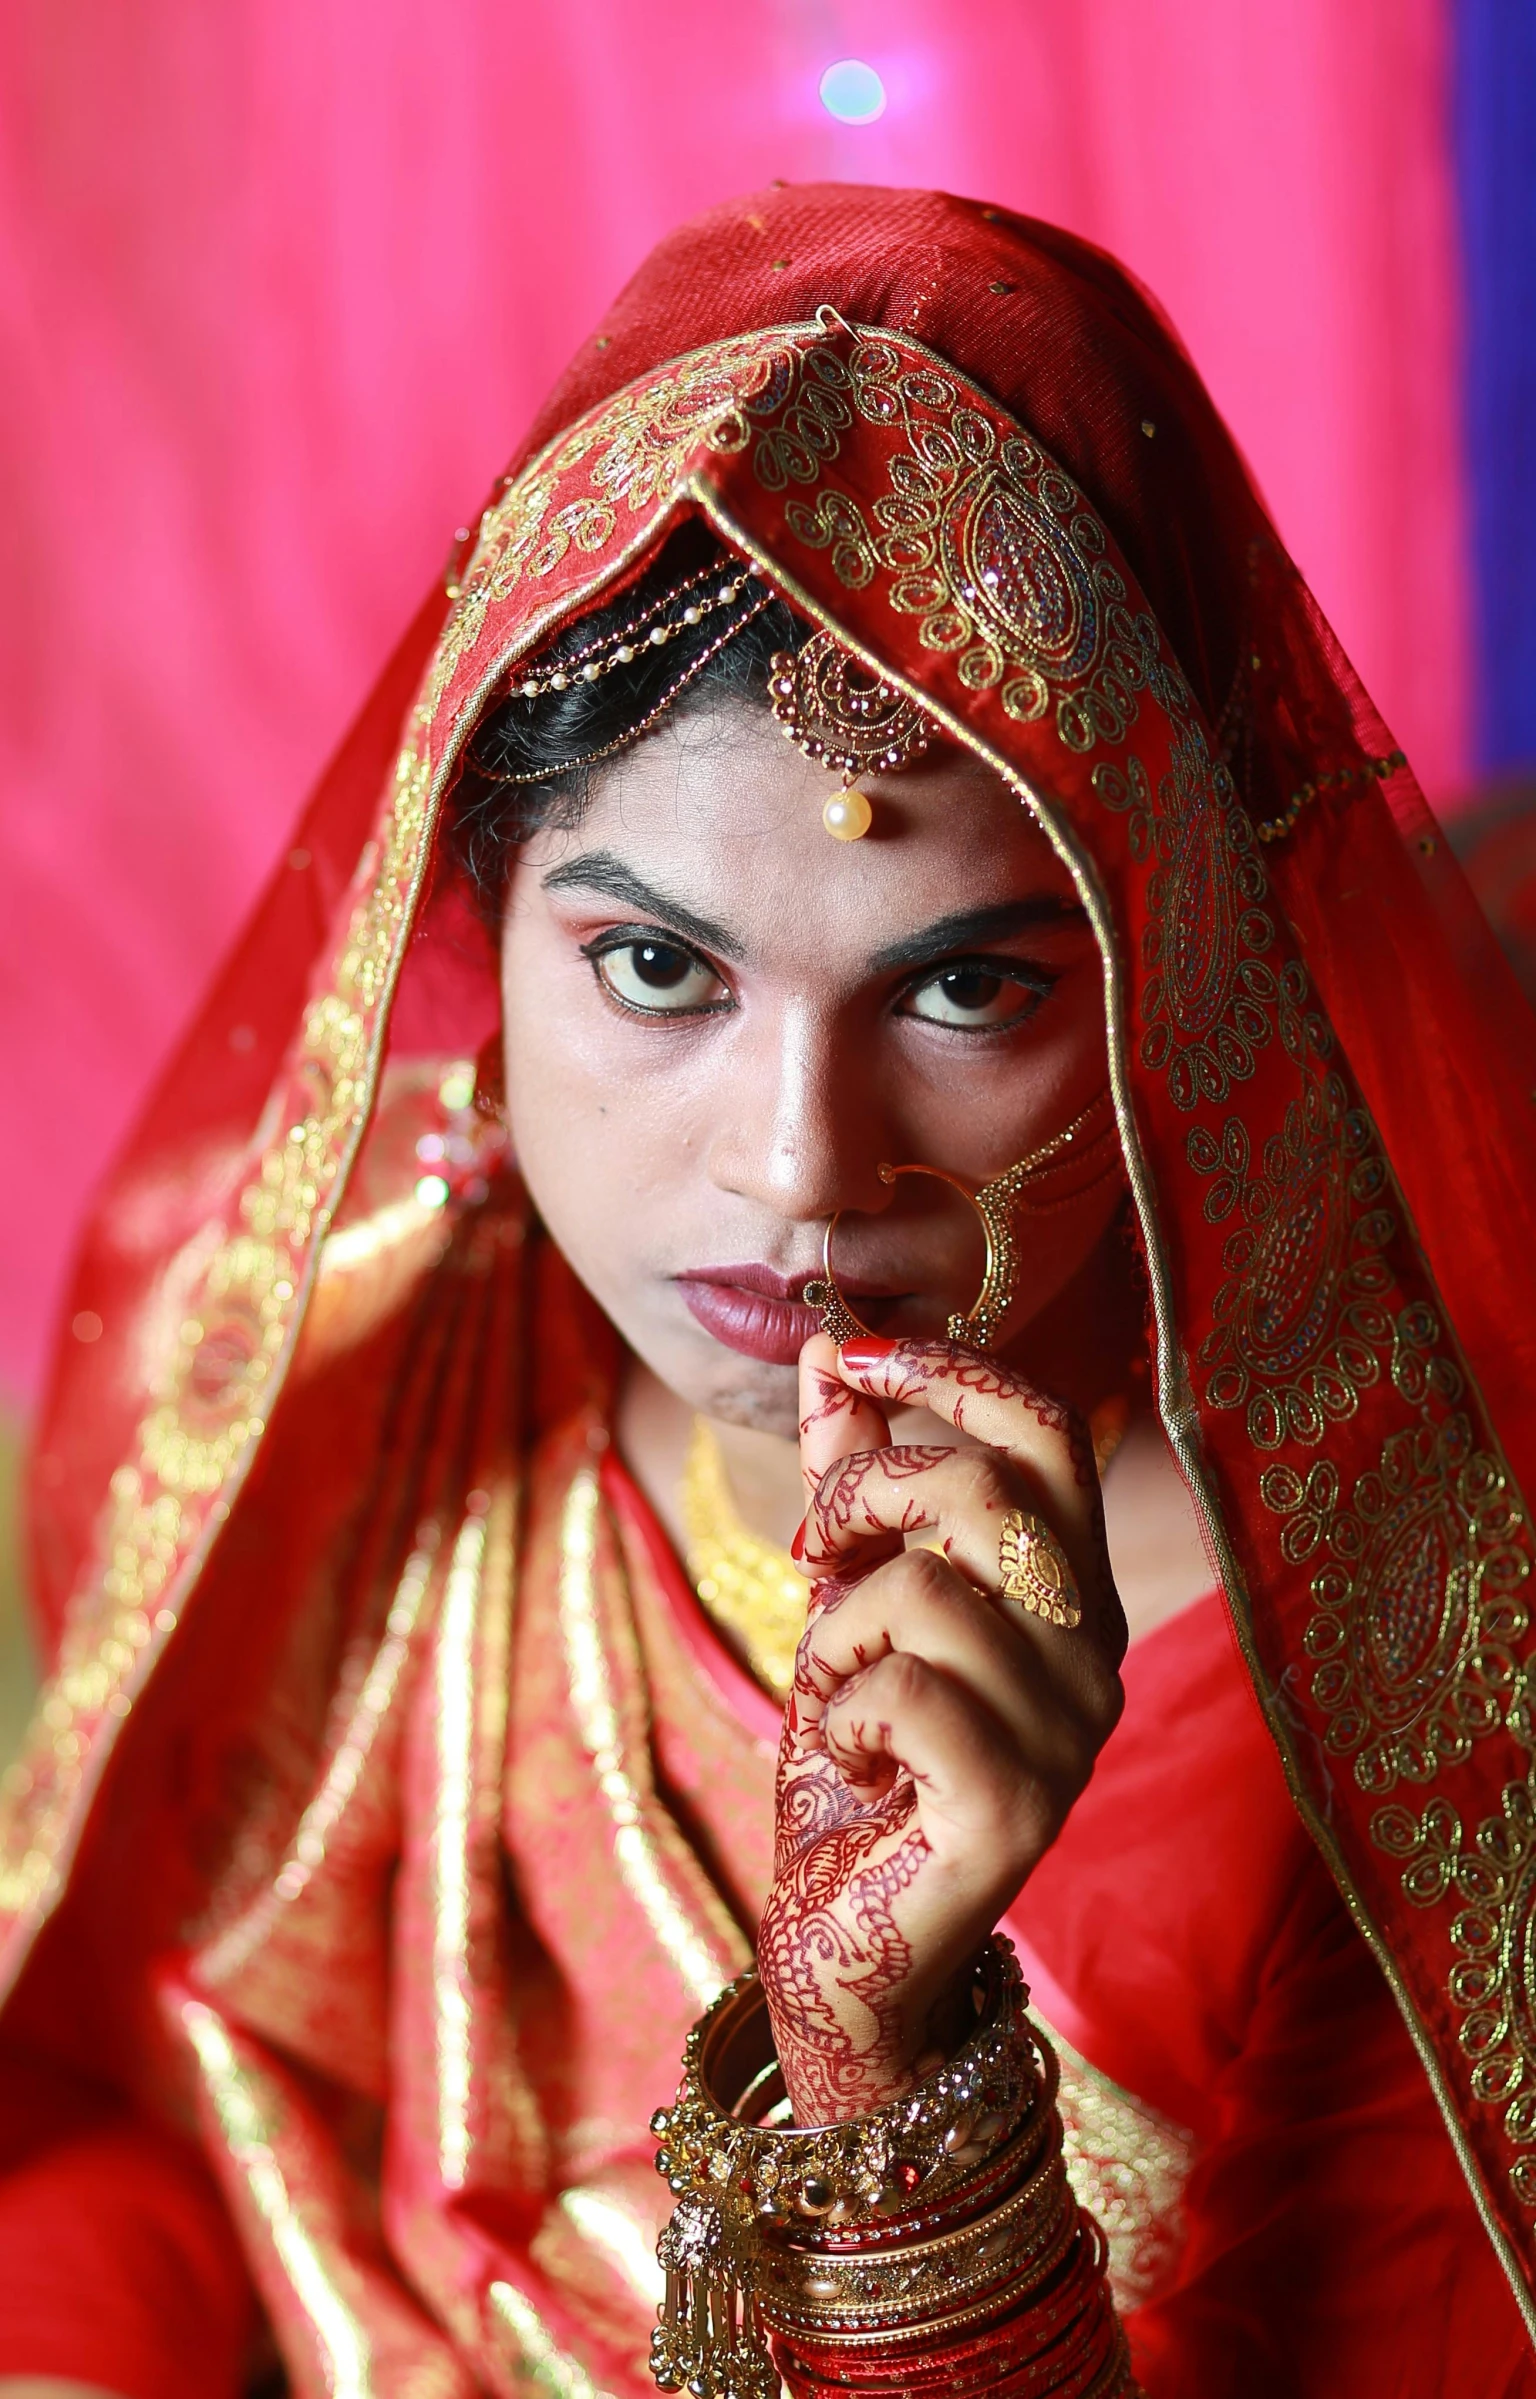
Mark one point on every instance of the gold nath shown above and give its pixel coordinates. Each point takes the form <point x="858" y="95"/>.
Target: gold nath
<point x="747" y="1585"/>
<point x="996" y="1204"/>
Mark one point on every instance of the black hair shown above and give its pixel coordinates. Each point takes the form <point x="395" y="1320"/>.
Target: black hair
<point x="489" y="817"/>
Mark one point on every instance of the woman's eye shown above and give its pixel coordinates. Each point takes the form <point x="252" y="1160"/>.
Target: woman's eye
<point x="972" y="996"/>
<point x="658" y="977"/>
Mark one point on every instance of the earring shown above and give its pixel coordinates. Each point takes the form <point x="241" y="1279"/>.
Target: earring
<point x="996" y="1204"/>
<point x="844" y="715"/>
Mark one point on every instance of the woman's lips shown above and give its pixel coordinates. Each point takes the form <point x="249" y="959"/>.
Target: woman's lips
<point x="753" y="1309"/>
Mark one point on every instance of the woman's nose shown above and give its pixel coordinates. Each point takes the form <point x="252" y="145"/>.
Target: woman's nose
<point x="800" y="1131"/>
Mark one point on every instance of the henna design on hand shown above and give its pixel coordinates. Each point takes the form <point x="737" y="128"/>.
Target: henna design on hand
<point x="918" y="1365"/>
<point x="924" y="1363"/>
<point x="831" y="1954"/>
<point x="827" y="1597"/>
<point x="846" y="1533"/>
<point x="852" y="1936"/>
<point x="839" y="1503"/>
<point x="833" y="1399"/>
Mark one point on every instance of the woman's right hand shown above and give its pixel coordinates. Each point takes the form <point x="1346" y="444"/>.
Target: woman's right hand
<point x="937" y="1734"/>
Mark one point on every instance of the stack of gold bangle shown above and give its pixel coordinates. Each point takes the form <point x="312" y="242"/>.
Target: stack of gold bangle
<point x="941" y="2226"/>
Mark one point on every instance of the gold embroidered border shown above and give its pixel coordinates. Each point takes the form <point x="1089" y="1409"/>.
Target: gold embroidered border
<point x="209" y="1406"/>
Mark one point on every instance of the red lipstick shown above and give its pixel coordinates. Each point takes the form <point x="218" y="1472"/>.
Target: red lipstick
<point x="752" y="1309"/>
<point x="758" y="1311"/>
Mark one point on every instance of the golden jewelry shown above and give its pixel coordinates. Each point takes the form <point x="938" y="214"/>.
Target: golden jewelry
<point x="747" y="1585"/>
<point x="767" y="2211"/>
<point x="996" y="1203"/>
<point x="844" y="715"/>
<point x="1108" y="1425"/>
<point x="830" y="2290"/>
<point x="664" y="621"/>
<point x="1035" y="1570"/>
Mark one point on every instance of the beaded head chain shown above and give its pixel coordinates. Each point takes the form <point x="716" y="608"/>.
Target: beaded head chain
<point x="834" y="709"/>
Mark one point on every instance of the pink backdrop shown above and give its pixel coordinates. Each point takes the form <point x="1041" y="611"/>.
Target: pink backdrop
<point x="282" y="281"/>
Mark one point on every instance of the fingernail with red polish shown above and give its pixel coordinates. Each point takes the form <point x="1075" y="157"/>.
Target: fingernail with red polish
<point x="866" y="1351"/>
<point x="797" y="1546"/>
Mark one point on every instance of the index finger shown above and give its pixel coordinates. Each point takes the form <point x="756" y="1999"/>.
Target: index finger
<point x="836" y="1420"/>
<point x="1047" y="1440"/>
<point x="991" y="1402"/>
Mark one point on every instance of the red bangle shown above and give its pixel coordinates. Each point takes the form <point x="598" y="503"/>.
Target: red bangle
<point x="1062" y="2340"/>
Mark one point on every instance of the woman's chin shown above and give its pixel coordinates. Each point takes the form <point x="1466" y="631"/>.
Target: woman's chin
<point x="724" y="1384"/>
<point x="755" y="1395"/>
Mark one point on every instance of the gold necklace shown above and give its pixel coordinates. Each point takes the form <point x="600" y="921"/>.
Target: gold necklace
<point x="747" y="1585"/>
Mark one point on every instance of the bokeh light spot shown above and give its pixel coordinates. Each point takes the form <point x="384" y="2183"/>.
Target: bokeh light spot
<point x="852" y="92"/>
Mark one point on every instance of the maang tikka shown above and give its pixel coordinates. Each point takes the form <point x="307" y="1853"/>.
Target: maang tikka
<point x="845" y="716"/>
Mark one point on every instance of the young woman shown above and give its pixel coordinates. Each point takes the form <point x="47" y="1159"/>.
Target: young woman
<point x="874" y="729"/>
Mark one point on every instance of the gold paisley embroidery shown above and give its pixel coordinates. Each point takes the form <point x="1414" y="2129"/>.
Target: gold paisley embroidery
<point x="983" y="537"/>
<point x="636" y="449"/>
<point x="1300" y="1328"/>
<point x="1419" y="1601"/>
<point x="1491" y="1882"/>
<point x="1211" y="1001"/>
<point x="1416" y="1640"/>
<point x="1420" y="1616"/>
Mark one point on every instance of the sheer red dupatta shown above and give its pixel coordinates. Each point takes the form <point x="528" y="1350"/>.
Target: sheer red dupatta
<point x="970" y="446"/>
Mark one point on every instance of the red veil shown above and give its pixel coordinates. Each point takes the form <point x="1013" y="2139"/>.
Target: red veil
<point x="971" y="446"/>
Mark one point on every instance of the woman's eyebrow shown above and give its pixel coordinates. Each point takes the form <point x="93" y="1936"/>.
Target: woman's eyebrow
<point x="972" y="928"/>
<point x="599" y="871"/>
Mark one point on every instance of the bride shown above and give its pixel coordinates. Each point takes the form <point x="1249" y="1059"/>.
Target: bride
<point x="838" y="1286"/>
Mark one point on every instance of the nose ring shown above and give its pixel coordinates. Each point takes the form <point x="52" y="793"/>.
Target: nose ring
<point x="996" y="1204"/>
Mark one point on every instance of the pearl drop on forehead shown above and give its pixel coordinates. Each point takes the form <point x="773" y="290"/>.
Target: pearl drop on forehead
<point x="848" y="816"/>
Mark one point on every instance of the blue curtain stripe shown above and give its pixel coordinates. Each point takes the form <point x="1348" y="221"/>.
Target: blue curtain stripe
<point x="1494" y="106"/>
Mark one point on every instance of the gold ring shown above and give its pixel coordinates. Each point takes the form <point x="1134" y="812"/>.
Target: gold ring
<point x="1036" y="1571"/>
